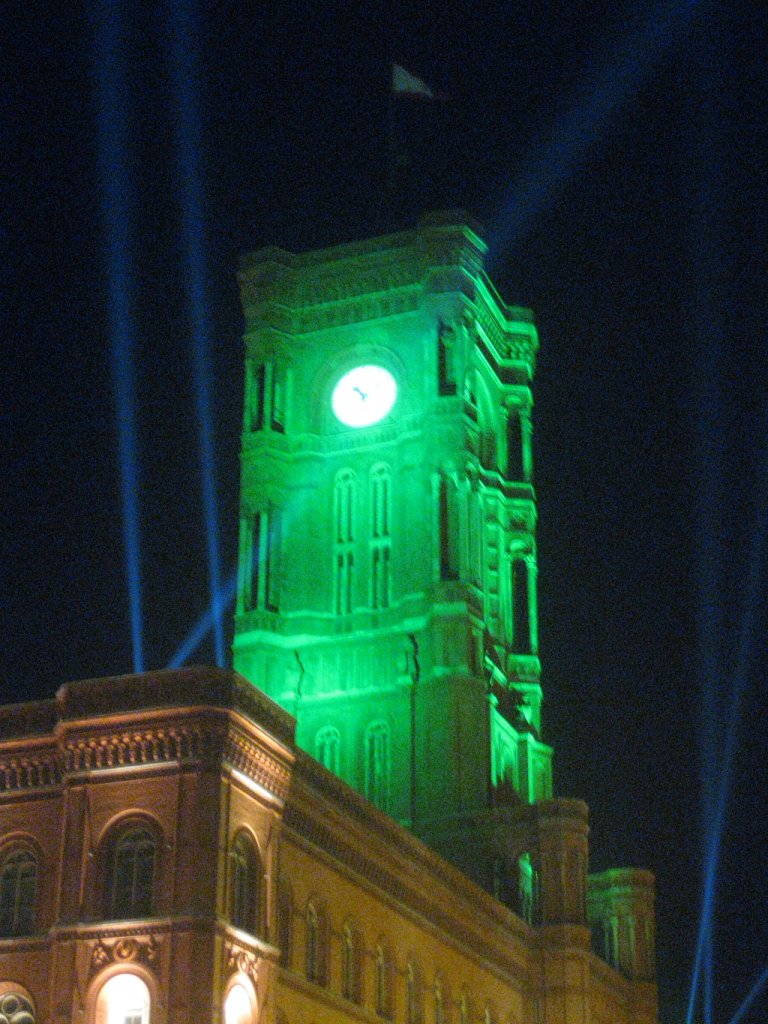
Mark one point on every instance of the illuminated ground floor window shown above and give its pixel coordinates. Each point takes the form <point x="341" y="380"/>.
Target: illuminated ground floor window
<point x="124" y="999"/>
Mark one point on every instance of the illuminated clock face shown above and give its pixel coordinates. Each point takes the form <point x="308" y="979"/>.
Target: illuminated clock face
<point x="364" y="396"/>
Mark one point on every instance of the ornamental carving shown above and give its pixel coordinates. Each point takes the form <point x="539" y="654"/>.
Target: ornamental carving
<point x="125" y="949"/>
<point x="244" y="961"/>
<point x="257" y="764"/>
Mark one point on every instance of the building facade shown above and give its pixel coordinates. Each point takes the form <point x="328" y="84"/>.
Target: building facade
<point x="359" y="823"/>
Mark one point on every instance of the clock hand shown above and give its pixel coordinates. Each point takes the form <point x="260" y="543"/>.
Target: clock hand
<point x="362" y="394"/>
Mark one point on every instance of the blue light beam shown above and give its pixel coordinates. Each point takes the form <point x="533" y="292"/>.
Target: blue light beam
<point x="195" y="276"/>
<point x="204" y="625"/>
<point x="117" y="197"/>
<point x="557" y="154"/>
<point x="752" y="598"/>
<point x="751" y="996"/>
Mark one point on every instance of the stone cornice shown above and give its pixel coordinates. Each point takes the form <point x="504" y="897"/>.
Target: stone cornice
<point x="154" y="722"/>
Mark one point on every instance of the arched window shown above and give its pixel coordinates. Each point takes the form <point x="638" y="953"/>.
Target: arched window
<point x="381" y="488"/>
<point x="377" y="764"/>
<point x="327" y="748"/>
<point x="349" y="965"/>
<point x="383" y="1001"/>
<point x="16" y="1008"/>
<point x="448" y="521"/>
<point x="344" y="506"/>
<point x="314" y="951"/>
<point x="132" y="878"/>
<point x="124" y="999"/>
<point x="18" y="893"/>
<point x="244" y="881"/>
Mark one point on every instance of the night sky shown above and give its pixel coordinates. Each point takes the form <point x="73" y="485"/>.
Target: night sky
<point x="615" y="155"/>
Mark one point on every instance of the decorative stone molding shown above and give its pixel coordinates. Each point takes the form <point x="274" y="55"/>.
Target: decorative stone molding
<point x="243" y="960"/>
<point x="144" y="949"/>
<point x="142" y="747"/>
<point x="31" y="772"/>
<point x="257" y="764"/>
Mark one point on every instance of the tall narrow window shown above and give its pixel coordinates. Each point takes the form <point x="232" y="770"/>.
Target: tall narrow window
<point x="380" y="576"/>
<point x="380" y="498"/>
<point x="464" y="1009"/>
<point x="382" y="983"/>
<point x="514" y="445"/>
<point x="344" y="506"/>
<point x="244" y="883"/>
<point x="133" y="874"/>
<point x="274" y="541"/>
<point x="18" y="893"/>
<point x="449" y="530"/>
<point x="262" y="583"/>
<point x="521" y="636"/>
<point x="327" y="748"/>
<point x="446" y="360"/>
<point x="377" y="764"/>
<point x="313" y="944"/>
<point x="412" y="996"/>
<point x="258" y="395"/>
<point x="349" y="965"/>
<point x="344" y="501"/>
<point x="344" y="582"/>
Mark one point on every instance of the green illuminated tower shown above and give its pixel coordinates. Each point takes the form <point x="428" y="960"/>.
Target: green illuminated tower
<point x="387" y="584"/>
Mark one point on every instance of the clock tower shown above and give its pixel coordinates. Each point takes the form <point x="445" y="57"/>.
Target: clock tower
<point x="387" y="570"/>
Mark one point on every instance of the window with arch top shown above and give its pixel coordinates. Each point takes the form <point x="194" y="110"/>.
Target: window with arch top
<point x="18" y="892"/>
<point x="124" y="999"/>
<point x="244" y="884"/>
<point x="377" y="764"/>
<point x="314" y="964"/>
<point x="327" y="748"/>
<point x="131" y="880"/>
<point x="383" y="994"/>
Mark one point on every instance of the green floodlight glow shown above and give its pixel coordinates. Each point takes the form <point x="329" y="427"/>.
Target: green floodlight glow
<point x="364" y="396"/>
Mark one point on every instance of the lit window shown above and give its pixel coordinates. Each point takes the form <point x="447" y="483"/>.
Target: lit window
<point x="18" y="893"/>
<point x="123" y="1000"/>
<point x="243" y="884"/>
<point x="133" y="874"/>
<point x="237" y="1007"/>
